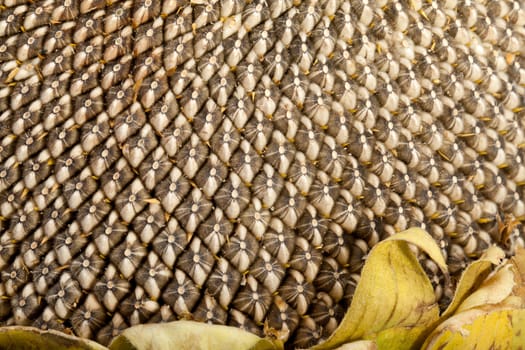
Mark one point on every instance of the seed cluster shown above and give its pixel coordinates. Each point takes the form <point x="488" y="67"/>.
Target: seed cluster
<point x="233" y="162"/>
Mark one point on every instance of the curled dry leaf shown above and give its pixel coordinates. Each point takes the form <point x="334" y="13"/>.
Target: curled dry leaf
<point x="394" y="302"/>
<point x="22" y="338"/>
<point x="487" y="314"/>
<point x="423" y="241"/>
<point x="480" y="329"/>
<point x="494" y="290"/>
<point x="358" y="345"/>
<point x="473" y="277"/>
<point x="183" y="335"/>
<point x="518" y="263"/>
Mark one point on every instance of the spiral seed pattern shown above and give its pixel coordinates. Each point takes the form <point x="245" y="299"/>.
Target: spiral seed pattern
<point x="234" y="162"/>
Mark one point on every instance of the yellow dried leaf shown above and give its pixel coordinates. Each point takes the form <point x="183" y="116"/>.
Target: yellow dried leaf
<point x="473" y="277"/>
<point x="493" y="290"/>
<point x="480" y="329"/>
<point x="359" y="345"/>
<point x="20" y="338"/>
<point x="517" y="319"/>
<point x="401" y="337"/>
<point x="518" y="262"/>
<point x="393" y="292"/>
<point x="183" y="335"/>
<point x="486" y="314"/>
<point x="423" y="241"/>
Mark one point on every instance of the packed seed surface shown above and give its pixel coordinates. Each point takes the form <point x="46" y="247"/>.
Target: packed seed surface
<point x="233" y="162"/>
